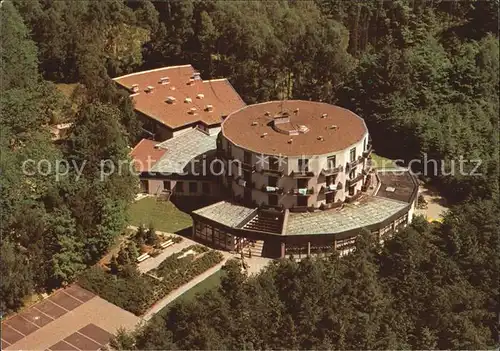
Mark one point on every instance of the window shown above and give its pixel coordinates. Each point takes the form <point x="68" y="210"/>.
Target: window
<point x="247" y="177"/>
<point x="272" y="181"/>
<point x="303" y="165"/>
<point x="330" y="198"/>
<point x="193" y="187"/>
<point x="205" y="187"/>
<point x="166" y="185"/>
<point x="248" y="195"/>
<point x="247" y="157"/>
<point x="365" y="144"/>
<point x="351" y="190"/>
<point x="273" y="199"/>
<point x="302" y="201"/>
<point x="329" y="180"/>
<point x="144" y="186"/>
<point x="179" y="187"/>
<point x="331" y="162"/>
<point x="352" y="174"/>
<point x="352" y="154"/>
<point x="302" y="183"/>
<point x="229" y="149"/>
<point x="273" y="163"/>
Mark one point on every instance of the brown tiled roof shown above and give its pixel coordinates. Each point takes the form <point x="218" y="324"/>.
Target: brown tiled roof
<point x="145" y="155"/>
<point x="219" y="93"/>
<point x="328" y="128"/>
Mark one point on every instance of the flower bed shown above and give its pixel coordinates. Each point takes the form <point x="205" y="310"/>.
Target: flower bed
<point x="137" y="292"/>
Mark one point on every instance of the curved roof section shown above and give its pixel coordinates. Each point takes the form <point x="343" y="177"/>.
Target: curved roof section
<point x="293" y="128"/>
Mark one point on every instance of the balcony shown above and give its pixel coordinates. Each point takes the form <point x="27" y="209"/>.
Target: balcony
<point x="273" y="172"/>
<point x="352" y="198"/>
<point x="267" y="207"/>
<point x="247" y="167"/>
<point x="330" y="205"/>
<point x="302" y="174"/>
<point x="331" y="171"/>
<point x="368" y="151"/>
<point x="302" y="191"/>
<point x="244" y="183"/>
<point x="356" y="179"/>
<point x="272" y="189"/>
<point x="331" y="188"/>
<point x="354" y="163"/>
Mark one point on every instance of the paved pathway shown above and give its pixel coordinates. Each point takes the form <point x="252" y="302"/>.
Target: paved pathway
<point x="181" y="290"/>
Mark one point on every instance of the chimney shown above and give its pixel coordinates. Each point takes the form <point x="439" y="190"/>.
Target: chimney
<point x="135" y="88"/>
<point x="188" y="100"/>
<point x="164" y="80"/>
<point x="196" y="76"/>
<point x="200" y="96"/>
<point x="171" y="99"/>
<point x="209" y="108"/>
<point x="190" y="81"/>
<point x="149" y="89"/>
<point x="192" y="110"/>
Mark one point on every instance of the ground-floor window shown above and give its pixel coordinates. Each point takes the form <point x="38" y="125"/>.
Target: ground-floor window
<point x="273" y="199"/>
<point x="179" y="187"/>
<point x="352" y="188"/>
<point x="144" y="186"/>
<point x="302" y="201"/>
<point x="205" y="187"/>
<point x="193" y="187"/>
<point x="166" y="185"/>
<point x="330" y="197"/>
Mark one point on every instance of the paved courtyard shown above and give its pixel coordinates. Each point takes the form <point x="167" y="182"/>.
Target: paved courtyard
<point x="71" y="319"/>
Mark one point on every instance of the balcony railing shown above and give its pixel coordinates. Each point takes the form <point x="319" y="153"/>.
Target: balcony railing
<point x="302" y="174"/>
<point x="330" y="205"/>
<point x="328" y="189"/>
<point x="332" y="171"/>
<point x="354" y="180"/>
<point x="368" y="151"/>
<point x="354" y="163"/>
<point x="302" y="191"/>
<point x="274" y="172"/>
<point x="272" y="189"/>
<point x="247" y="167"/>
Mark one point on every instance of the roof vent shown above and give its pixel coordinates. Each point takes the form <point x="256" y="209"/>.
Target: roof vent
<point x="263" y="135"/>
<point x="171" y="99"/>
<point x="296" y="110"/>
<point x="135" y="88"/>
<point x="254" y="123"/>
<point x="172" y="88"/>
<point x="290" y="141"/>
<point x="188" y="100"/>
<point x="390" y="189"/>
<point x="303" y="129"/>
<point x="267" y="113"/>
<point x="190" y="81"/>
<point x="196" y="76"/>
<point x="192" y="110"/>
<point x="333" y="126"/>
<point x="324" y="115"/>
<point x="164" y="80"/>
<point x="320" y="138"/>
<point x="200" y="96"/>
<point x="149" y="89"/>
<point x="209" y="108"/>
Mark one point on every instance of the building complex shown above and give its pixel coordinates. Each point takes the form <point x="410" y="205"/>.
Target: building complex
<point x="290" y="177"/>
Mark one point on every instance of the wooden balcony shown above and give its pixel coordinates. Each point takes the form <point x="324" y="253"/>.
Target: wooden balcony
<point x="368" y="151"/>
<point x="358" y="178"/>
<point x="331" y="171"/>
<point x="302" y="191"/>
<point x="273" y="172"/>
<point x="332" y="188"/>
<point x="303" y="174"/>
<point x="353" y="164"/>
<point x="272" y="190"/>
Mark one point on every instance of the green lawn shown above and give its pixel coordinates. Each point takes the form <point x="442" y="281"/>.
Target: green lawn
<point x="381" y="162"/>
<point x="210" y="283"/>
<point x="163" y="215"/>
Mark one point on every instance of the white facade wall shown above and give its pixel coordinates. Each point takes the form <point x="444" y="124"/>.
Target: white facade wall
<point x="316" y="164"/>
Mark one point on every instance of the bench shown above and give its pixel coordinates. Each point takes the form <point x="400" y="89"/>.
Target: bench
<point x="143" y="257"/>
<point x="166" y="244"/>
